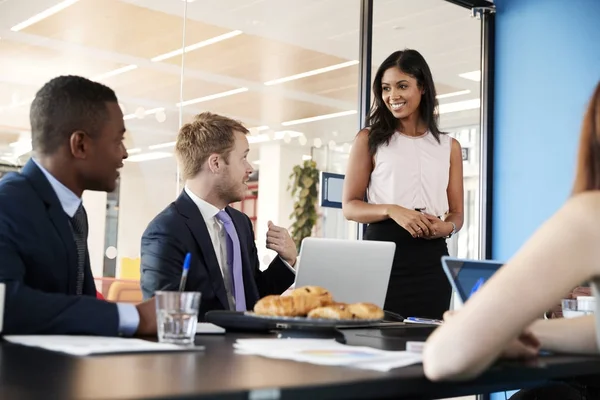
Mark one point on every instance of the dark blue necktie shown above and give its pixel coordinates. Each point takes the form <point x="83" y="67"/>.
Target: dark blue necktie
<point x="79" y="224"/>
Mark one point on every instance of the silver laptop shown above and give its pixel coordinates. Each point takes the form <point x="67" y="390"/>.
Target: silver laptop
<point x="352" y="270"/>
<point x="467" y="276"/>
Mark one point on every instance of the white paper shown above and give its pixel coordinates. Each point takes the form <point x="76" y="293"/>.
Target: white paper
<point x="327" y="352"/>
<point x="204" y="328"/>
<point x="394" y="362"/>
<point x="89" y="345"/>
<point x="415" y="347"/>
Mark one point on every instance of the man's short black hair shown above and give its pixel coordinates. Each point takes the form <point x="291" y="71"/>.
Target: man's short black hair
<point x="64" y="105"/>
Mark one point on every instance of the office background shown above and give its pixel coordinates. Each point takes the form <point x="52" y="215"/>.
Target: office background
<point x="547" y="64"/>
<point x="512" y="87"/>
<point x="299" y="80"/>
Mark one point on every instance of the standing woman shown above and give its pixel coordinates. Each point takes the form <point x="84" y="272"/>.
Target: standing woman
<point x="412" y="176"/>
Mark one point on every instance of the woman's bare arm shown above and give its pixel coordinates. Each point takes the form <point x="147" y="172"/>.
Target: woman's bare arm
<point x="574" y="335"/>
<point x="358" y="173"/>
<point x="563" y="253"/>
<point x="455" y="189"/>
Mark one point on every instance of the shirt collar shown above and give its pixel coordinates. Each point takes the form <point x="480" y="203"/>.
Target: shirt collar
<point x="208" y="211"/>
<point x="68" y="200"/>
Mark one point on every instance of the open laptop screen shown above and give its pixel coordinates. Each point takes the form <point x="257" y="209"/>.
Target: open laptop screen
<point x="467" y="276"/>
<point x="354" y="271"/>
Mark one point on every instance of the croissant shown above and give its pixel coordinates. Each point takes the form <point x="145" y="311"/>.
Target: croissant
<point x="338" y="311"/>
<point x="365" y="311"/>
<point x="323" y="294"/>
<point x="286" y="306"/>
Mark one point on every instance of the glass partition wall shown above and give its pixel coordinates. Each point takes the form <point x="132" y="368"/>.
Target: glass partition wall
<point x="120" y="44"/>
<point x="449" y="38"/>
<point x="299" y="80"/>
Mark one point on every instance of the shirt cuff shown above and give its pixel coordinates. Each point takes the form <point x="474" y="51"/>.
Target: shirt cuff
<point x="288" y="265"/>
<point x="129" y="319"/>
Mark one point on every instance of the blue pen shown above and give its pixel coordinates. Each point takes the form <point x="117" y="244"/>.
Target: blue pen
<point x="186" y="268"/>
<point x="416" y="320"/>
<point x="478" y="285"/>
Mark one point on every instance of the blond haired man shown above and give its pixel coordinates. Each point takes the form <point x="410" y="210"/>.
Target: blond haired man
<point x="212" y="151"/>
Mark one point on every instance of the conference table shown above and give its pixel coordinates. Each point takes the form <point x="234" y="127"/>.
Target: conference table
<point x="219" y="373"/>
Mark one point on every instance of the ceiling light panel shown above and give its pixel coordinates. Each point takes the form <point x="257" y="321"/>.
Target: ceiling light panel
<point x="318" y="118"/>
<point x="211" y="97"/>
<point x="43" y="15"/>
<point x="472" y="76"/>
<point x="311" y="73"/>
<point x="157" y="155"/>
<point x="197" y="46"/>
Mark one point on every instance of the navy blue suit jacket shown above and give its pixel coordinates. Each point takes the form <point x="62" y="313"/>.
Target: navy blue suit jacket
<point x="38" y="264"/>
<point x="180" y="229"/>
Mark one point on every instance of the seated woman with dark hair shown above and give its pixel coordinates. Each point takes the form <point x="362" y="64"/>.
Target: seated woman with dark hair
<point x="503" y="318"/>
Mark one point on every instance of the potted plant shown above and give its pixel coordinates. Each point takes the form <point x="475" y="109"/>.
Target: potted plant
<point x="303" y="185"/>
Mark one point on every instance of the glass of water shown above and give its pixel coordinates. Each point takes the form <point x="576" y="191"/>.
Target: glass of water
<point x="177" y="316"/>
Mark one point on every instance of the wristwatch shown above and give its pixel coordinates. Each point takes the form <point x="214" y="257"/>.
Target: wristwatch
<point x="453" y="230"/>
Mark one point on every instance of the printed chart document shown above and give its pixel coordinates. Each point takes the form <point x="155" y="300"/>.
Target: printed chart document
<point x="93" y="345"/>
<point x="327" y="352"/>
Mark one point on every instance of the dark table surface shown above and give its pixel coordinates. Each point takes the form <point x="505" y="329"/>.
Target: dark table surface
<point x="29" y="373"/>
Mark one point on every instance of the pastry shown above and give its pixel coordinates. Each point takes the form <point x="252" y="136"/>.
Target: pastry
<point x="286" y="306"/>
<point x="338" y="311"/>
<point x="304" y="290"/>
<point x="323" y="294"/>
<point x="365" y="311"/>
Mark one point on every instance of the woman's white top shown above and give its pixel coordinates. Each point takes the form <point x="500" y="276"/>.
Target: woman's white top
<point x="412" y="172"/>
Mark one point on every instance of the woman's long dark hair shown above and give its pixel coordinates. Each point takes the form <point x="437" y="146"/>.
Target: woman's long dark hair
<point x="588" y="161"/>
<point x="380" y="119"/>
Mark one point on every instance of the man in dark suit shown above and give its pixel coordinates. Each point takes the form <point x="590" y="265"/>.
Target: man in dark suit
<point x="77" y="136"/>
<point x="224" y="267"/>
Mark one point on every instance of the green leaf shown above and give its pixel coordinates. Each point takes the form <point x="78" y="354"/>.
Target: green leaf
<point x="303" y="187"/>
<point x="307" y="182"/>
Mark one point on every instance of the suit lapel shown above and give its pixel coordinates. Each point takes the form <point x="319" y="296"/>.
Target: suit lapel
<point x="60" y="222"/>
<point x="58" y="217"/>
<point x="250" y="287"/>
<point x="195" y="223"/>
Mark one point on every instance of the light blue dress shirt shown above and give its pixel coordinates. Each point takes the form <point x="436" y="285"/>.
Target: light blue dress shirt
<point x="129" y="318"/>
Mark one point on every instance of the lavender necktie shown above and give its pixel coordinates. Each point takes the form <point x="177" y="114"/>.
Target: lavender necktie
<point x="234" y="259"/>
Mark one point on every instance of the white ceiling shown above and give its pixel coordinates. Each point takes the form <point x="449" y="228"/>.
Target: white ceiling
<point x="444" y="33"/>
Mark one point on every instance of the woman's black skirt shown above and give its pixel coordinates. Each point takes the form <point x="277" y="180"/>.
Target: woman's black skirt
<point x="418" y="286"/>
